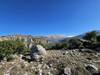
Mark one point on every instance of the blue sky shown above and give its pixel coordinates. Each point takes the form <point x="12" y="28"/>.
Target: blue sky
<point x="46" y="17"/>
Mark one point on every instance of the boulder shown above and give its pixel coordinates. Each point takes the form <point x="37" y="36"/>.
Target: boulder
<point x="41" y="50"/>
<point x="38" y="49"/>
<point x="37" y="52"/>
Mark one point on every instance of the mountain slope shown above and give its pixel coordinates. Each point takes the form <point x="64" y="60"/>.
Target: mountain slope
<point x="82" y="35"/>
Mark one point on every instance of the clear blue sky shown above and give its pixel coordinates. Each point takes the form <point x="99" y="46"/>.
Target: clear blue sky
<point x="43" y="17"/>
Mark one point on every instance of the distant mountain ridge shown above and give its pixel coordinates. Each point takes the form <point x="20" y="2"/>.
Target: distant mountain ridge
<point x="55" y="38"/>
<point x="80" y="36"/>
<point x="50" y="38"/>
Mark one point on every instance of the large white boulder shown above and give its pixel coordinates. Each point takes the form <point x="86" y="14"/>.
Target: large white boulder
<point x="37" y="52"/>
<point x="41" y="50"/>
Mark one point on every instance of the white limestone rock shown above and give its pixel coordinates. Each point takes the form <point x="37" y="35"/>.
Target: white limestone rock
<point x="41" y="50"/>
<point x="37" y="52"/>
<point x="67" y="71"/>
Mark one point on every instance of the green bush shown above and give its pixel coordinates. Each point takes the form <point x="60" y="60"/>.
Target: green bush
<point x="20" y="47"/>
<point x="9" y="47"/>
<point x="60" y="46"/>
<point x="9" y="58"/>
<point x="6" y="48"/>
<point x="75" y="43"/>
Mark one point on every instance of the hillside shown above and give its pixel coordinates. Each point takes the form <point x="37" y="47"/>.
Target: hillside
<point x="49" y="55"/>
<point x="82" y="35"/>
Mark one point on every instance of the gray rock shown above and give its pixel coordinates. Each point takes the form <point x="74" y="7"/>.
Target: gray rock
<point x="37" y="52"/>
<point x="40" y="71"/>
<point x="30" y="45"/>
<point x="41" y="50"/>
<point x="36" y="56"/>
<point x="91" y="68"/>
<point x="67" y="71"/>
<point x="49" y="73"/>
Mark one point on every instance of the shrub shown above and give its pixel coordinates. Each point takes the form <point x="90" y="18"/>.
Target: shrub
<point x="91" y="36"/>
<point x="9" y="47"/>
<point x="6" y="48"/>
<point x="98" y="38"/>
<point x="20" y="48"/>
<point x="75" y="43"/>
<point x="9" y="58"/>
<point x="60" y="46"/>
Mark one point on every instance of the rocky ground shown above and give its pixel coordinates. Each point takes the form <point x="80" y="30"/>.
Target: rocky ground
<point x="55" y="62"/>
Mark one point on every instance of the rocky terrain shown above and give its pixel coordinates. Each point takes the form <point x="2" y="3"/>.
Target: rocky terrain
<point x="51" y="55"/>
<point x="55" y="62"/>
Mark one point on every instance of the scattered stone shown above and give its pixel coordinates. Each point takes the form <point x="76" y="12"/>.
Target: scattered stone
<point x="49" y="73"/>
<point x="67" y="71"/>
<point x="21" y="56"/>
<point x="87" y="50"/>
<point x="40" y="71"/>
<point x="26" y="64"/>
<point x="50" y="65"/>
<point x="45" y="66"/>
<point x="36" y="56"/>
<point x="5" y="59"/>
<point x="91" y="68"/>
<point x="67" y="52"/>
<point x="2" y="62"/>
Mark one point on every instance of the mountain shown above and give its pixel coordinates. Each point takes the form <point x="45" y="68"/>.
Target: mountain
<point x="79" y="36"/>
<point x="49" y="38"/>
<point x="82" y="35"/>
<point x="55" y="38"/>
<point x="98" y="32"/>
<point x="30" y="38"/>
